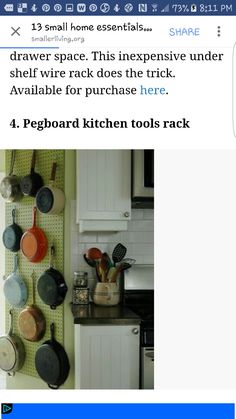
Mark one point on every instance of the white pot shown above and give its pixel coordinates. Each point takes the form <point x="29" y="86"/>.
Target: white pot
<point x="106" y="294"/>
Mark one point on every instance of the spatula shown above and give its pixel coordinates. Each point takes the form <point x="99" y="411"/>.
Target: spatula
<point x="93" y="264"/>
<point x="118" y="253"/>
<point x="90" y="262"/>
<point x="130" y="261"/>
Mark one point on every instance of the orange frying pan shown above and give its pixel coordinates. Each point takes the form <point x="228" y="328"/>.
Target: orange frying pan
<point x="34" y="242"/>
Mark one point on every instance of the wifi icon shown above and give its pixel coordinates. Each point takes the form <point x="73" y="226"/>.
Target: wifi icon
<point x="6" y="408"/>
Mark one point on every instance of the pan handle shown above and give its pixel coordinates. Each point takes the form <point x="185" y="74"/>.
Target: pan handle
<point x="53" y="386"/>
<point x="14" y="215"/>
<point x="13" y="157"/>
<point x="11" y="322"/>
<point x="33" y="288"/>
<point x="34" y="216"/>
<point x="53" y="172"/>
<point x="52" y="331"/>
<point x="11" y="374"/>
<point x="33" y="161"/>
<point x="15" y="262"/>
<point x="52" y="256"/>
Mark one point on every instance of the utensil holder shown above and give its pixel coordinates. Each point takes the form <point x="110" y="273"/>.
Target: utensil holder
<point x="106" y="294"/>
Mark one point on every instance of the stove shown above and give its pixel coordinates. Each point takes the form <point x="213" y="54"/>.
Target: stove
<point x="139" y="297"/>
<point x="141" y="302"/>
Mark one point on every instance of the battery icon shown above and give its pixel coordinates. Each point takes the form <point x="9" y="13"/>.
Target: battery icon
<point x="193" y="8"/>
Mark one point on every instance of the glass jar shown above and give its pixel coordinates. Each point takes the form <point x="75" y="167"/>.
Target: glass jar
<point x="81" y="279"/>
<point x="80" y="293"/>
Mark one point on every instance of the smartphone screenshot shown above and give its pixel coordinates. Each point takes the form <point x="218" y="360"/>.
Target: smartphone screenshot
<point x="117" y="205"/>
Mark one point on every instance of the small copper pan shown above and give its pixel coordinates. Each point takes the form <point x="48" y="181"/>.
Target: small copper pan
<point x="31" y="321"/>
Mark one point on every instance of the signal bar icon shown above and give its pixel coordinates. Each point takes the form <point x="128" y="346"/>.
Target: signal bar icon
<point x="166" y="9"/>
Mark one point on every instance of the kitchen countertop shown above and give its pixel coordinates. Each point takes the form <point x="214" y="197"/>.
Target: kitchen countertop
<point x="94" y="314"/>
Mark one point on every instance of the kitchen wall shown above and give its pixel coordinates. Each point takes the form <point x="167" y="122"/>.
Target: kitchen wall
<point x="2" y="262"/>
<point x="23" y="381"/>
<point x="2" y="160"/>
<point x="2" y="311"/>
<point x="139" y="239"/>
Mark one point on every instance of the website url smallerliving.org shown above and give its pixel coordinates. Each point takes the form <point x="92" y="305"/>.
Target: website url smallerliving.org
<point x="57" y="38"/>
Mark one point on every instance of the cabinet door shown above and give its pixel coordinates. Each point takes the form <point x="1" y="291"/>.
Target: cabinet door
<point x="103" y="185"/>
<point x="107" y="357"/>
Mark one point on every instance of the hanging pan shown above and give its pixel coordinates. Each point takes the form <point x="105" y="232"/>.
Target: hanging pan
<point x="34" y="242"/>
<point x="51" y="284"/>
<point x="12" y="351"/>
<point x="12" y="235"/>
<point x="50" y="199"/>
<point x="31" y="183"/>
<point x="31" y="320"/>
<point x="51" y="362"/>
<point x="14" y="287"/>
<point x="10" y="185"/>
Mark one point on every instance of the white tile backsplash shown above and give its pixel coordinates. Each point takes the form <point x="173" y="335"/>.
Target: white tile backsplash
<point x="138" y="214"/>
<point x="140" y="225"/>
<point x="87" y="238"/>
<point x="139" y="239"/>
<point x="109" y="237"/>
<point x="148" y="214"/>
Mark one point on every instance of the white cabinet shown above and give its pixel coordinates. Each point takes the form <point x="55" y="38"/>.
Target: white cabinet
<point x="107" y="357"/>
<point x="103" y="189"/>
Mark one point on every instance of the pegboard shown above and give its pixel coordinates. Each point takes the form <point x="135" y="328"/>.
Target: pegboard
<point x="53" y="226"/>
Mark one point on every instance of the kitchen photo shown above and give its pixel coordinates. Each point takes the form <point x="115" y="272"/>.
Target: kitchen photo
<point x="77" y="269"/>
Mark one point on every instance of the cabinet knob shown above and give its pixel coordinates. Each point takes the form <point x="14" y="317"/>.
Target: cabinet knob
<point x="126" y="214"/>
<point x="135" y="331"/>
